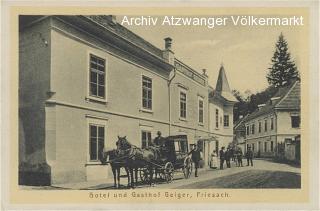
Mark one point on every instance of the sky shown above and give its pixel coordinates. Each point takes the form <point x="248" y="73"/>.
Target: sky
<point x="245" y="52"/>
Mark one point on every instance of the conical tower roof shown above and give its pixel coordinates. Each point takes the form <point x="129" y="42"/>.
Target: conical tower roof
<point x="222" y="83"/>
<point x="223" y="88"/>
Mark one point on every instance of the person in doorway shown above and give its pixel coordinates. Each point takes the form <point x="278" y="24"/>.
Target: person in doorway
<point x="222" y="157"/>
<point x="195" y="157"/>
<point x="214" y="160"/>
<point x="228" y="156"/>
<point x="249" y="156"/>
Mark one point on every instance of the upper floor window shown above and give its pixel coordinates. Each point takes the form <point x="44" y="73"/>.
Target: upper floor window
<point x="145" y="139"/>
<point x="226" y="120"/>
<point x="247" y="130"/>
<point x="183" y="105"/>
<point x="295" y="121"/>
<point x="259" y="127"/>
<point x="252" y="129"/>
<point x="96" y="133"/>
<point x="217" y="118"/>
<point x="265" y="125"/>
<point x="271" y="124"/>
<point x="97" y="76"/>
<point x="146" y="92"/>
<point x="200" y="110"/>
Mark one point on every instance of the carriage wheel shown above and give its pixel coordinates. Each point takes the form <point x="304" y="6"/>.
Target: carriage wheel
<point x="187" y="167"/>
<point x="145" y="175"/>
<point x="168" y="171"/>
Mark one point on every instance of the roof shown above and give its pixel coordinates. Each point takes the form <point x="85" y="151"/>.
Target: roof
<point x="239" y="125"/>
<point x="106" y="21"/>
<point x="289" y="98"/>
<point x="222" y="88"/>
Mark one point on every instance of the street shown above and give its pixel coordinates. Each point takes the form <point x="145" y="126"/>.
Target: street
<point x="264" y="174"/>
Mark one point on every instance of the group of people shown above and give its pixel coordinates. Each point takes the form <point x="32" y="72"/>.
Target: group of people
<point x="225" y="156"/>
<point x="231" y="154"/>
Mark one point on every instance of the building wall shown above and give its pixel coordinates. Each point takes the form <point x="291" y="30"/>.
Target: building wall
<point x="191" y="124"/>
<point x="34" y="84"/>
<point x="122" y="109"/>
<point x="56" y="109"/>
<point x="284" y="124"/>
<point x="224" y="135"/>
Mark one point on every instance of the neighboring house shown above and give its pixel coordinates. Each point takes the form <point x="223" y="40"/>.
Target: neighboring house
<point x="239" y="131"/>
<point x="276" y="124"/>
<point x="221" y="103"/>
<point x="84" y="80"/>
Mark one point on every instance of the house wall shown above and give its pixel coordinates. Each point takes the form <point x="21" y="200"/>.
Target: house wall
<point x="224" y="135"/>
<point x="284" y="124"/>
<point x="122" y="111"/>
<point x="34" y="84"/>
<point x="190" y="125"/>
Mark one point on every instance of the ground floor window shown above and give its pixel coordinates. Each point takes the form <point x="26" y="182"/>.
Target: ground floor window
<point x="145" y="139"/>
<point x="97" y="134"/>
<point x="271" y="147"/>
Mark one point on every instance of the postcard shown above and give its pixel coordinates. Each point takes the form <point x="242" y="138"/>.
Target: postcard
<point x="183" y="106"/>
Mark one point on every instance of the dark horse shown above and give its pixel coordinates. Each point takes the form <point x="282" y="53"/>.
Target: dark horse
<point x="116" y="165"/>
<point x="137" y="157"/>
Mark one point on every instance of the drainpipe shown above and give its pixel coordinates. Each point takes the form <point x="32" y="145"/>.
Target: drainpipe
<point x="169" y="92"/>
<point x="275" y="130"/>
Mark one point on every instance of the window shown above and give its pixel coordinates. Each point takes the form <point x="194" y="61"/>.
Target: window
<point x="295" y="121"/>
<point x="146" y="92"/>
<point x="247" y="130"/>
<point x="252" y="129"/>
<point x="96" y="141"/>
<point x="265" y="125"/>
<point x="97" y="76"/>
<point x="271" y="124"/>
<point x="183" y="105"/>
<point x="217" y="118"/>
<point x="259" y="127"/>
<point x="226" y="120"/>
<point x="252" y="147"/>
<point x="200" y="111"/>
<point x="145" y="139"/>
<point x="271" y="146"/>
<point x="265" y="146"/>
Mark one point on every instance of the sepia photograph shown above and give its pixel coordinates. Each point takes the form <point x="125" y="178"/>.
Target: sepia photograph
<point x="160" y="106"/>
<point x="108" y="106"/>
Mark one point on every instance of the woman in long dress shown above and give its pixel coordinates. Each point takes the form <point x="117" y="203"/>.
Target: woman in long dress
<point x="214" y="160"/>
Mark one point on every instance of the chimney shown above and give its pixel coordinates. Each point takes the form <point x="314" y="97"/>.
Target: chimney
<point x="112" y="19"/>
<point x="168" y="54"/>
<point x="168" y="43"/>
<point x="204" y="72"/>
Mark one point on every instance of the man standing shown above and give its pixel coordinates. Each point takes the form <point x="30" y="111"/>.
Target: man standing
<point x="196" y="157"/>
<point x="222" y="157"/>
<point x="228" y="157"/>
<point x="239" y="157"/>
<point x="249" y="156"/>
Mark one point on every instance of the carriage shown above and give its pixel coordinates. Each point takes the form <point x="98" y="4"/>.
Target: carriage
<point x="174" y="157"/>
<point x="163" y="160"/>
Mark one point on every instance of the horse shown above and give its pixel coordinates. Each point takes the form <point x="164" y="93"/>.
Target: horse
<point x="115" y="166"/>
<point x="137" y="157"/>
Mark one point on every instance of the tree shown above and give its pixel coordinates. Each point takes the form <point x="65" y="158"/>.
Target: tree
<point x="283" y="69"/>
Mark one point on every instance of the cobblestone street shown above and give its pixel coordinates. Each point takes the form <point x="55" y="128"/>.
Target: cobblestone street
<point x="264" y="174"/>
